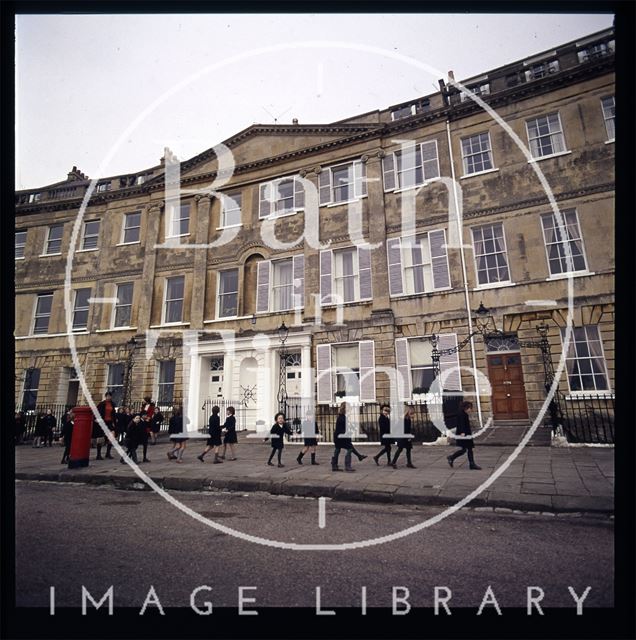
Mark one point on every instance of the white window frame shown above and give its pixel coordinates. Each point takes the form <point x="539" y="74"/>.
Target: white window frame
<point x="219" y="294"/>
<point x="355" y="275"/>
<point x="397" y="154"/>
<point x="480" y="89"/>
<point x="117" y="390"/>
<point x="103" y="187"/>
<point x="357" y="186"/>
<point x="274" y="287"/>
<point x="234" y="198"/>
<point x="555" y="136"/>
<point x="541" y="69"/>
<point x="31" y="389"/>
<point x="164" y="306"/>
<point x="610" y="120"/>
<point x="567" y="213"/>
<point x="37" y="315"/>
<point x="504" y="252"/>
<point x="47" y="244"/>
<point x="270" y="187"/>
<point x="162" y="363"/>
<point x="34" y="197"/>
<point x="126" y="228"/>
<point x="481" y="152"/>
<point x="20" y="246"/>
<point x="86" y="236"/>
<point x="117" y="306"/>
<point x="569" y="358"/>
<point x="174" y="224"/>
<point x="76" y="309"/>
<point x="408" y="266"/>
<point x="335" y="374"/>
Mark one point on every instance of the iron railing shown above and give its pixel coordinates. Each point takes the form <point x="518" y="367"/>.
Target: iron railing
<point x="222" y="404"/>
<point x="363" y="418"/>
<point x="588" y="418"/>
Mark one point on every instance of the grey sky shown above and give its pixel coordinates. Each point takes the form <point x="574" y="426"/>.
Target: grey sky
<point x="82" y="80"/>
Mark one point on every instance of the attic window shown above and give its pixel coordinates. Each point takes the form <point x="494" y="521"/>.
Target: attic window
<point x="141" y="179"/>
<point x="103" y="186"/>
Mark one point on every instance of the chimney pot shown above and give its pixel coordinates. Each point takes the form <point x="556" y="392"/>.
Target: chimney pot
<point x="295" y="121"/>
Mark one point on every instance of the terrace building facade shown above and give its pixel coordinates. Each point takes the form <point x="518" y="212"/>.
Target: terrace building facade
<point x="365" y="237"/>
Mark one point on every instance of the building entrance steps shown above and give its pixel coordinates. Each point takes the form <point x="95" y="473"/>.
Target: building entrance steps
<point x="508" y="433"/>
<point x="578" y="479"/>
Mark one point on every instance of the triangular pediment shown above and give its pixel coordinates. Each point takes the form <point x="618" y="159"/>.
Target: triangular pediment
<point x="261" y="142"/>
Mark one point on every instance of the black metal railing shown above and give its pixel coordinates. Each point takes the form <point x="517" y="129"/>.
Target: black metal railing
<point x="364" y="418"/>
<point x="588" y="418"/>
<point x="222" y="404"/>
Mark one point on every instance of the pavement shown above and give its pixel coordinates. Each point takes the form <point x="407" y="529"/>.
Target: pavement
<point x="539" y="479"/>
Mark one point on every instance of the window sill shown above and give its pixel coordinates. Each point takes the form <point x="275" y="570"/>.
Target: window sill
<point x="570" y="274"/>
<point x="127" y="244"/>
<point x="229" y="318"/>
<point x="494" y="285"/>
<point x="609" y="141"/>
<point x="47" y="255"/>
<point x="552" y="155"/>
<point x="329" y="205"/>
<point x="116" y="329"/>
<point x="402" y="296"/>
<point x="478" y="173"/>
<point x="231" y="226"/>
<point x="19" y="258"/>
<point x="87" y="250"/>
<point x="414" y="187"/>
<point x="280" y="215"/>
<point x="180" y="235"/>
<point x="169" y="324"/>
<point x="52" y="335"/>
<point x="583" y="395"/>
<point x="335" y="305"/>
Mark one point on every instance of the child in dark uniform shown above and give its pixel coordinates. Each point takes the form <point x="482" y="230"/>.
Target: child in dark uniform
<point x="466" y="444"/>
<point x="229" y="428"/>
<point x="214" y="441"/>
<point x="277" y="433"/>
<point x="311" y="443"/>
<point x="384" y="422"/>
<point x="405" y="442"/>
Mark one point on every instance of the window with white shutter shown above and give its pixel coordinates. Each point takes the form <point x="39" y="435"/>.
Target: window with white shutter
<point x="347" y="274"/>
<point x="411" y="166"/>
<point x="448" y="362"/>
<point x="342" y="183"/>
<point x="367" y="370"/>
<point x="262" y="286"/>
<point x="418" y="265"/>
<point x="403" y="365"/>
<point x="280" y="197"/>
<point x="323" y="373"/>
<point x="414" y="361"/>
<point x="299" y="282"/>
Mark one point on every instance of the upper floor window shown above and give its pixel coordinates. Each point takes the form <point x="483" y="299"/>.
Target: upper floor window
<point x="491" y="257"/>
<point x="542" y="69"/>
<point x="140" y="179"/>
<point x="280" y="284"/>
<point x="173" y="303"/>
<point x="90" y="235"/>
<point x="480" y="89"/>
<point x="228" y="294"/>
<point x="231" y="209"/>
<point x="54" y="239"/>
<point x="609" y="111"/>
<point x="411" y="166"/>
<point x="20" y="243"/>
<point x="558" y="241"/>
<point x="342" y="183"/>
<point x="418" y="265"/>
<point x="282" y="196"/>
<point x="132" y="228"/>
<point x="34" y="197"/>
<point x="476" y="153"/>
<point x="545" y="135"/>
<point x="103" y="186"/>
<point x="345" y="275"/>
<point x="80" y="309"/>
<point x="123" y="306"/>
<point x="179" y="220"/>
<point x="42" y="314"/>
<point x="585" y="360"/>
<point x="411" y="109"/>
<point x="598" y="50"/>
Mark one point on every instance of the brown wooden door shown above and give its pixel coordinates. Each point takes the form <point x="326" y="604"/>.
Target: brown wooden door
<point x="508" y="390"/>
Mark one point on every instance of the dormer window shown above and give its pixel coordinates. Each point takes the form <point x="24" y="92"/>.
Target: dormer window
<point x="595" y="51"/>
<point x="103" y="186"/>
<point x="542" y="69"/>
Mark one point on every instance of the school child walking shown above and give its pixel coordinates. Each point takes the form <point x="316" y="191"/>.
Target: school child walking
<point x="467" y="444"/>
<point x="310" y="443"/>
<point x="277" y="432"/>
<point x="229" y="428"/>
<point x="384" y="424"/>
<point x="214" y="441"/>
<point x="405" y="444"/>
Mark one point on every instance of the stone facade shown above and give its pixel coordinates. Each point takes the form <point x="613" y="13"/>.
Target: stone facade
<point x="559" y="106"/>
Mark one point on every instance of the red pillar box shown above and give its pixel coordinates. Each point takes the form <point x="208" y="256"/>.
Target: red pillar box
<point x="81" y="439"/>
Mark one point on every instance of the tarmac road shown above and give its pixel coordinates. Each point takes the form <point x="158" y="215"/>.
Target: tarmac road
<point x="70" y="535"/>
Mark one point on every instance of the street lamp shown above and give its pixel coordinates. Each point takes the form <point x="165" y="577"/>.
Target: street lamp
<point x="283" y="333"/>
<point x="131" y="345"/>
<point x="482" y="318"/>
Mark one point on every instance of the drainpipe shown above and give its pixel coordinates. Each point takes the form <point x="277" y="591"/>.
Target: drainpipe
<point x="460" y="236"/>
